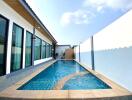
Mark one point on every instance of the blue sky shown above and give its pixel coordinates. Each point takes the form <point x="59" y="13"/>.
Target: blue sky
<point x="73" y="21"/>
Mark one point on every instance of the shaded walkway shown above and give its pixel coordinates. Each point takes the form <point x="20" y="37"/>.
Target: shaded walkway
<point x="10" y="79"/>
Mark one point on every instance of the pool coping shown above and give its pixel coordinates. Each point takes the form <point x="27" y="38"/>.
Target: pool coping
<point x="116" y="92"/>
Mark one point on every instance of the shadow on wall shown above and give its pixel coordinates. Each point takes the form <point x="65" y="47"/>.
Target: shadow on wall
<point x="116" y="64"/>
<point x="85" y="58"/>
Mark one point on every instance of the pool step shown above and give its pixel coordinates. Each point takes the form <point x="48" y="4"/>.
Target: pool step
<point x="62" y="81"/>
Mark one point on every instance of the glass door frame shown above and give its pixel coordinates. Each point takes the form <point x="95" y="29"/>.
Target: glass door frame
<point x="31" y="48"/>
<point x="5" y="44"/>
<point x="11" y="70"/>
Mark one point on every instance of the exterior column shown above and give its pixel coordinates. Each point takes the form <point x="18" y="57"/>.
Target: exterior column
<point x="9" y="44"/>
<point x="79" y="54"/>
<point x="92" y="53"/>
<point x="33" y="41"/>
<point x="24" y="43"/>
<point x="53" y="48"/>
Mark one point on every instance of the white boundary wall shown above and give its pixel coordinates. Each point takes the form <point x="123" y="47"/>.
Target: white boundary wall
<point x="112" y="50"/>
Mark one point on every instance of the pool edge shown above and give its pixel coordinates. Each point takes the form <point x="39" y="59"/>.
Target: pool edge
<point x="116" y="91"/>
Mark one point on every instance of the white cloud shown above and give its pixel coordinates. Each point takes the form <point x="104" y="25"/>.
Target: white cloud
<point x="113" y="4"/>
<point x="80" y="16"/>
<point x="89" y="8"/>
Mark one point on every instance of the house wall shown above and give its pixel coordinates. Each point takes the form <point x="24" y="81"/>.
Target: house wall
<point x="40" y="35"/>
<point x="112" y="51"/>
<point x="14" y="17"/>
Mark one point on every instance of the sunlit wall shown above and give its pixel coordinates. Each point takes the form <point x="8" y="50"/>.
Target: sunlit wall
<point x="112" y="51"/>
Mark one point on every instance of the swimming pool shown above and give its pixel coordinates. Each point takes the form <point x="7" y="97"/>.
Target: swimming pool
<point x="87" y="81"/>
<point x="48" y="78"/>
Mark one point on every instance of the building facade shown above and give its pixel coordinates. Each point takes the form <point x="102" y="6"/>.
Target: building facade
<point x="24" y="40"/>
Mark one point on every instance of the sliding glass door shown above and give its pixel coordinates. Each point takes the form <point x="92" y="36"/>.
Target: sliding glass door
<point x="3" y="41"/>
<point x="47" y="50"/>
<point x="37" y="52"/>
<point x="28" y="51"/>
<point x="43" y="49"/>
<point x="16" y="52"/>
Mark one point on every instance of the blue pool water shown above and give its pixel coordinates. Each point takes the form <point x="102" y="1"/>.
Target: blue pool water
<point x="87" y="81"/>
<point x="48" y="78"/>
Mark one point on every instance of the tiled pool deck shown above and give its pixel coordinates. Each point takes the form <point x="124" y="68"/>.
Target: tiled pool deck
<point x="116" y="93"/>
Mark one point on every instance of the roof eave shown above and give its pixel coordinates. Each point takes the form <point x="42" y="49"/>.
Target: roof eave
<point x="31" y="12"/>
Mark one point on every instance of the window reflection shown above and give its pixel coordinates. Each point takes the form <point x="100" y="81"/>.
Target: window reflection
<point x="28" y="51"/>
<point x="3" y="35"/>
<point x="16" y="54"/>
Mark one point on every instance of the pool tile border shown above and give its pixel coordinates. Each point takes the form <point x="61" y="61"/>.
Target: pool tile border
<point x="116" y="92"/>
